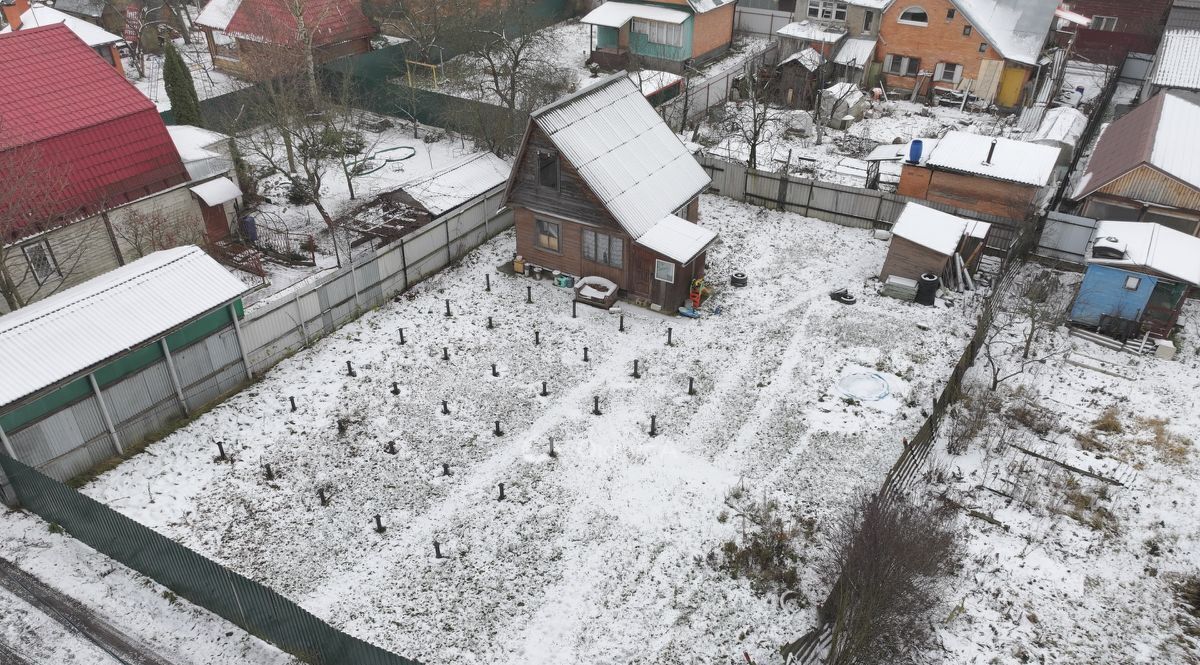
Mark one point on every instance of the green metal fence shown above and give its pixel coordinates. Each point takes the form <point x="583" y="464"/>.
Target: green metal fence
<point x="255" y="608"/>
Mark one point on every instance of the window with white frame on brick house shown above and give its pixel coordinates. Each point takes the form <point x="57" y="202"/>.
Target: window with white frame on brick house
<point x="1108" y="23"/>
<point x="947" y="72"/>
<point x="41" y="261"/>
<point x="901" y="65"/>
<point x="659" y="32"/>
<point x="827" y="10"/>
<point x="914" y="16"/>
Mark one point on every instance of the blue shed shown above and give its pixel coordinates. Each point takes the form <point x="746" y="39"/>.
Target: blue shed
<point x="1108" y="291"/>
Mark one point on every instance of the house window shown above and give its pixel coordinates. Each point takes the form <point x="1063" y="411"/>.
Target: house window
<point x="914" y="16"/>
<point x="1179" y="223"/>
<point x="603" y="248"/>
<point x="901" y="65"/>
<point x="1132" y="283"/>
<point x="983" y="47"/>
<point x="664" y="271"/>
<point x="41" y="261"/>
<point x="950" y="14"/>
<point x="548" y="169"/>
<point x="966" y="31"/>
<point x="1104" y="23"/>
<point x="827" y="10"/>
<point x="868" y="19"/>
<point x="947" y="72"/>
<point x="658" y="32"/>
<point x="548" y="234"/>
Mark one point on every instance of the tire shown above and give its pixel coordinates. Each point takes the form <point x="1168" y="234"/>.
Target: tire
<point x="739" y="279"/>
<point x="846" y="299"/>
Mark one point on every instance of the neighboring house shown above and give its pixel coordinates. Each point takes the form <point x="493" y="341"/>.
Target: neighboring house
<point x="670" y="35"/>
<point x="97" y="12"/>
<point x="846" y="33"/>
<point x="822" y="37"/>
<point x="990" y="175"/>
<point x="20" y="15"/>
<point x="1118" y="26"/>
<point x="1145" y="166"/>
<point x="208" y="158"/>
<point x="99" y="162"/>
<point x="1137" y="279"/>
<point x="992" y="47"/>
<point x="254" y="38"/>
<point x="603" y="188"/>
<point x="925" y="240"/>
<point x="1184" y="14"/>
<point x="1176" y="64"/>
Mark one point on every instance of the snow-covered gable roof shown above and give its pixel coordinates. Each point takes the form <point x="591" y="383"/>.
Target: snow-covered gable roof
<point x="218" y="13"/>
<point x="1016" y="28"/>
<point x="653" y="80"/>
<point x="193" y="142"/>
<point x="702" y="6"/>
<point x="934" y="229"/>
<point x="813" y="32"/>
<point x="856" y="52"/>
<point x="74" y="330"/>
<point x="625" y="153"/>
<point x="458" y="183"/>
<point x="677" y="239"/>
<point x="1015" y="161"/>
<point x="1149" y="245"/>
<point x="1177" y="64"/>
<point x="617" y="14"/>
<point x="41" y="15"/>
<point x="808" y="59"/>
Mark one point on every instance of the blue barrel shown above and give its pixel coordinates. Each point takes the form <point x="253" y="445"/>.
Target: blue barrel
<point x="914" y="151"/>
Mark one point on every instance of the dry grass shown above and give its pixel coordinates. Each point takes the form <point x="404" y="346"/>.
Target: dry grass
<point x="1172" y="447"/>
<point x="1109" y="421"/>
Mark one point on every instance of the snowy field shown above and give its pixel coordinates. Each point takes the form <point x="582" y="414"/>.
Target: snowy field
<point x="596" y="554"/>
<point x="1082" y="570"/>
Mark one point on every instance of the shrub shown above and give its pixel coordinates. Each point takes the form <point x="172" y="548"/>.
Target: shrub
<point x="1109" y="421"/>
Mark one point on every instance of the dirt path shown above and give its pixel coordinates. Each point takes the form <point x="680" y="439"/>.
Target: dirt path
<point x="75" y="618"/>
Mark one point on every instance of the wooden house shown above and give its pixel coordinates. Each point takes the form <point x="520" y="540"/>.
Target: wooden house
<point x="667" y="34"/>
<point x="1144" y="166"/>
<point x="602" y="187"/>
<point x="799" y="75"/>
<point x="925" y="240"/>
<point x="20" y="15"/>
<point x="1137" y="280"/>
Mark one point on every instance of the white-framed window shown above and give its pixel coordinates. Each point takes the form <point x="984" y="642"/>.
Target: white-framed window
<point x="548" y="235"/>
<point x="966" y="31"/>
<point x="827" y="10"/>
<point x="901" y="65"/>
<point x="659" y="32"/>
<point x="547" y="163"/>
<point x="1104" y="23"/>
<point x="950" y="14"/>
<point x="603" y="248"/>
<point x="914" y="16"/>
<point x="41" y="261"/>
<point x="1132" y="283"/>
<point x="664" y="271"/>
<point x="947" y="72"/>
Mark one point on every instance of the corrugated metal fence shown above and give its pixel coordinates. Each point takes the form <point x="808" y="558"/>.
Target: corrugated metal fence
<point x="705" y="93"/>
<point x="840" y="204"/>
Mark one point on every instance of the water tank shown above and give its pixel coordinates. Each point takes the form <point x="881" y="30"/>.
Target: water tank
<point x="914" y="151"/>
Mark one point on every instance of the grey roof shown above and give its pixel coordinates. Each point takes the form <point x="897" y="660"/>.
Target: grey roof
<point x="1178" y="62"/>
<point x="92" y="8"/>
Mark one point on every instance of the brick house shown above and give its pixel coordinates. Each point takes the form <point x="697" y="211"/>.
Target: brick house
<point x="845" y="33"/>
<point x="1118" y="26"/>
<point x="991" y="46"/>
<point x="602" y="188"/>
<point x="667" y="35"/>
<point x="247" y="34"/>
<point x="19" y="15"/>
<point x="92" y="157"/>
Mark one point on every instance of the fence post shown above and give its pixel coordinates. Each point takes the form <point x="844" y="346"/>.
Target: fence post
<point x="166" y="349"/>
<point x="8" y="447"/>
<point x="354" y="282"/>
<point x="404" y="263"/>
<point x="446" y="228"/>
<point x="108" y="423"/>
<point x="300" y="316"/>
<point x="237" y="331"/>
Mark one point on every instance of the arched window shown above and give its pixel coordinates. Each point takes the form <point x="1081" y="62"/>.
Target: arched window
<point x="914" y="16"/>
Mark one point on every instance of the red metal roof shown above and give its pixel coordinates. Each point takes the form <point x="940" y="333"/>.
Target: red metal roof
<point x="274" y="21"/>
<point x="70" y="120"/>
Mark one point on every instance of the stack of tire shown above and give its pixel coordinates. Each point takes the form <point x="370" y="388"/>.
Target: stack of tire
<point x="927" y="288"/>
<point x="739" y="279"/>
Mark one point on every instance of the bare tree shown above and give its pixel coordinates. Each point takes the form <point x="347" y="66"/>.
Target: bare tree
<point x="432" y="27"/>
<point x="1031" y="304"/>
<point x="146" y="232"/>
<point x="757" y="114"/>
<point x="890" y="564"/>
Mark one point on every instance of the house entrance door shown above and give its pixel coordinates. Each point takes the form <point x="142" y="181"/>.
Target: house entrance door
<point x="216" y="222"/>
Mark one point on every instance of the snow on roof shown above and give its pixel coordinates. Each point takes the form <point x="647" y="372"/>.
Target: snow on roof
<point x="702" y="6"/>
<point x="41" y="15"/>
<point x="856" y="52"/>
<point x="617" y="14"/>
<point x="677" y="239"/>
<point x="218" y="13"/>
<point x="872" y="4"/>
<point x="894" y="152"/>
<point x="808" y="59"/>
<point x="1072" y="17"/>
<point x="653" y="80"/>
<point x="92" y="8"/>
<point x="1149" y="245"/>
<point x="845" y="91"/>
<point x="193" y="142"/>
<point x="74" y="330"/>
<point x="1177" y="64"/>
<point x="1061" y="124"/>
<point x="810" y="31"/>
<point x="1016" y="28"/>
<point x="217" y="191"/>
<point x="1015" y="161"/>
<point x="937" y="230"/>
<point x="624" y="152"/>
<point x="458" y="183"/>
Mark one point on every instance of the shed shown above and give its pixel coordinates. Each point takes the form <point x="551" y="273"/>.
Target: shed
<point x="926" y="240"/>
<point x="798" y="75"/>
<point x="93" y="369"/>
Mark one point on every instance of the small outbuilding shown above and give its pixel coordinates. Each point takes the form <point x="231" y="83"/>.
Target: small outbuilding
<point x="1137" y="280"/>
<point x="925" y="240"/>
<point x="798" y="76"/>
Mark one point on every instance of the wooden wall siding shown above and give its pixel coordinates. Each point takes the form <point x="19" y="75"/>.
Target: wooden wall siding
<point x="908" y="259"/>
<point x="1145" y="183"/>
<point x="569" y="259"/>
<point x="572" y="200"/>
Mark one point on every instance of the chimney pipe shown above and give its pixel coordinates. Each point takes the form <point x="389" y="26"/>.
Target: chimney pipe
<point x="12" y="10"/>
<point x="991" y="151"/>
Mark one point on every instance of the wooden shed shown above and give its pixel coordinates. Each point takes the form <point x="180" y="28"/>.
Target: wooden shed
<point x="926" y="240"/>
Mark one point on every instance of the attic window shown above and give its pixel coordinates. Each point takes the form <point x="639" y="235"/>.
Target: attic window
<point x="1132" y="283"/>
<point x="914" y="16"/>
<point x="966" y="31"/>
<point x="950" y="14"/>
<point x="547" y="169"/>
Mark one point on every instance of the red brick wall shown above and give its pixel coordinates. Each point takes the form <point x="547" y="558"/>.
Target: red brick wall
<point x="712" y="30"/>
<point x="1140" y="17"/>
<point x="940" y="41"/>
<point x="985" y="195"/>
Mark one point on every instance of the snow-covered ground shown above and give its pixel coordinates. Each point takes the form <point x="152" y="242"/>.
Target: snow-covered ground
<point x="1082" y="570"/>
<point x="174" y="628"/>
<point x="597" y="554"/>
<point x="208" y="81"/>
